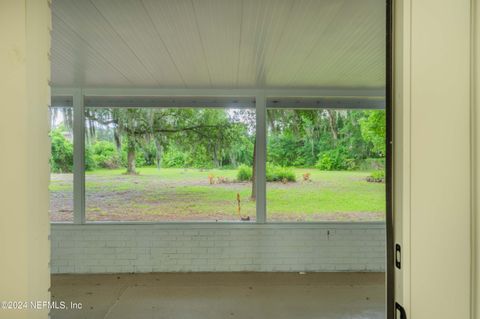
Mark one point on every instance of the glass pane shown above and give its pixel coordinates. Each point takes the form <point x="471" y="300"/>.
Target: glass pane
<point x="169" y="164"/>
<point x="61" y="164"/>
<point x="326" y="165"/>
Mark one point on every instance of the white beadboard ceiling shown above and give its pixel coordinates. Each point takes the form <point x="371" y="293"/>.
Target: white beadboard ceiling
<point x="219" y="44"/>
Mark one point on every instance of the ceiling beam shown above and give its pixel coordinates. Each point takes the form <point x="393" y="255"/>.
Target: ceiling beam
<point x="232" y="98"/>
<point x="270" y="93"/>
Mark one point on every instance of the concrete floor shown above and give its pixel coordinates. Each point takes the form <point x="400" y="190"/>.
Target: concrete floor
<point x="222" y="295"/>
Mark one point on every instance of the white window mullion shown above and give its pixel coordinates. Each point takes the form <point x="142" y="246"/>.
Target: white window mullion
<point x="78" y="157"/>
<point x="261" y="158"/>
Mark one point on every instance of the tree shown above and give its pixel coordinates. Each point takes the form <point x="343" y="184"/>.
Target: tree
<point x="210" y="132"/>
<point x="374" y="128"/>
<point x="332" y="120"/>
<point x="63" y="114"/>
<point x="209" y="137"/>
<point x="62" y="152"/>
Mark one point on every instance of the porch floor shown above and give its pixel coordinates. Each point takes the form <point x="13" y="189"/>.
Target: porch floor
<point x="221" y="295"/>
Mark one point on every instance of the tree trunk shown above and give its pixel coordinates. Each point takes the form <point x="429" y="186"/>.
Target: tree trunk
<point x="271" y="119"/>
<point x="254" y="188"/>
<point x="332" y="119"/>
<point x="131" y="158"/>
<point x="215" y="157"/>
<point x="159" y="153"/>
<point x="312" y="144"/>
<point x="233" y="160"/>
<point x="118" y="143"/>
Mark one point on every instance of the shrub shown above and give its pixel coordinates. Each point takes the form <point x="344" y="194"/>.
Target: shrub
<point x="149" y="153"/>
<point x="284" y="150"/>
<point x="374" y="130"/>
<point x="274" y="173"/>
<point x="335" y="160"/>
<point x="369" y="164"/>
<point x="200" y="159"/>
<point x="280" y="174"/>
<point x="105" y="155"/>
<point x="61" y="160"/>
<point x="244" y="173"/>
<point x="211" y="179"/>
<point x="89" y="160"/>
<point x="174" y="158"/>
<point x="325" y="163"/>
<point x="377" y="177"/>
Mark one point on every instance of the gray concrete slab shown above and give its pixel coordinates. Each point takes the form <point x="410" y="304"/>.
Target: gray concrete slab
<point x="222" y="295"/>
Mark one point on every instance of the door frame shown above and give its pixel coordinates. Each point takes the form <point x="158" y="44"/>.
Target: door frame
<point x="389" y="223"/>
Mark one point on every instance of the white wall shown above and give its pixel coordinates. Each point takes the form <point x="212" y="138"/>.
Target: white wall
<point x="476" y="159"/>
<point x="24" y="91"/>
<point x="197" y="247"/>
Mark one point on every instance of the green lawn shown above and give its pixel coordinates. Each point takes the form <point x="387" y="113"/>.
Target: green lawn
<point x="186" y="194"/>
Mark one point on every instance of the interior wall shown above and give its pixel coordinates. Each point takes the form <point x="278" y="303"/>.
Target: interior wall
<point x="24" y="221"/>
<point x="476" y="157"/>
<point x="433" y="193"/>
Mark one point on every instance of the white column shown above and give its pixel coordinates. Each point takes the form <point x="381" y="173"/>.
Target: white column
<point x="78" y="157"/>
<point x="261" y="157"/>
<point x="24" y="145"/>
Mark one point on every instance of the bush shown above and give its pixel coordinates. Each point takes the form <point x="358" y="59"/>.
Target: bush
<point x="178" y="158"/>
<point x="244" y="173"/>
<point x="274" y="173"/>
<point x="369" y="164"/>
<point x="325" y="163"/>
<point x="90" y="164"/>
<point x="149" y="153"/>
<point x="377" y="177"/>
<point x="199" y="158"/>
<point x="374" y="130"/>
<point x="280" y="174"/>
<point x="61" y="160"/>
<point x="335" y="160"/>
<point x="285" y="150"/>
<point x="105" y="155"/>
<point x="174" y="158"/>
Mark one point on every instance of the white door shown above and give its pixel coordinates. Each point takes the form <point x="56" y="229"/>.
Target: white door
<point x="432" y="158"/>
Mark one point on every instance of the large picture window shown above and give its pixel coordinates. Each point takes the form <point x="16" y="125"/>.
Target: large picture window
<point x="169" y="164"/>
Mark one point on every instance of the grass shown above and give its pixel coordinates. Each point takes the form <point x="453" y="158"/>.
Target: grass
<point x="186" y="194"/>
<point x="169" y="173"/>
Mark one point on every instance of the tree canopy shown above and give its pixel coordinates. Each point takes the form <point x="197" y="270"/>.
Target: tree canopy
<point x="212" y="137"/>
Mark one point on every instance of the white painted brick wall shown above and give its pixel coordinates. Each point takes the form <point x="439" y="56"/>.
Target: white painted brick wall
<point x="115" y="248"/>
